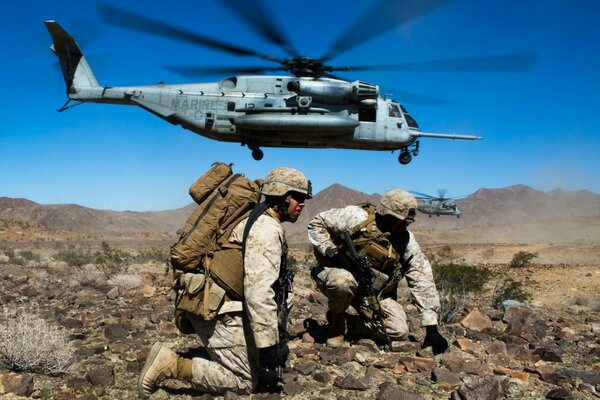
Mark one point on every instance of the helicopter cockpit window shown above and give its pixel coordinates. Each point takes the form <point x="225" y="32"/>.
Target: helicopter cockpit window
<point x="409" y="120"/>
<point x="394" y="111"/>
<point x="229" y="83"/>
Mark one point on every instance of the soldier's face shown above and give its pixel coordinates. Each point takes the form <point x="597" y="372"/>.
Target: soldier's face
<point x="393" y="225"/>
<point x="296" y="204"/>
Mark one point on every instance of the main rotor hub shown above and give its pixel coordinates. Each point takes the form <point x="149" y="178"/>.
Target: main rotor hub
<point x="305" y="67"/>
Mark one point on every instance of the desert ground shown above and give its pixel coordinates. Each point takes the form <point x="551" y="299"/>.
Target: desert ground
<point x="547" y="348"/>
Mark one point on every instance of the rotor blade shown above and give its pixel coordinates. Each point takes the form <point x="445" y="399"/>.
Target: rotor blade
<point x="384" y="15"/>
<point x="258" y="17"/>
<point x="422" y="194"/>
<point x="124" y="19"/>
<point x="519" y="62"/>
<point x="441" y="193"/>
<point x="193" y="71"/>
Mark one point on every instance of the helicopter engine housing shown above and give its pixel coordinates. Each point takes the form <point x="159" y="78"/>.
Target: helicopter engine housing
<point x="334" y="92"/>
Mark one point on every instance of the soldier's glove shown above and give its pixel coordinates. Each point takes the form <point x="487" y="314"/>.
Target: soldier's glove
<point x="271" y="361"/>
<point x="434" y="339"/>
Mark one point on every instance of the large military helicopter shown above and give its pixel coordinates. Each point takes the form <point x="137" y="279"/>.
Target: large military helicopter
<point x="311" y="107"/>
<point x="439" y="205"/>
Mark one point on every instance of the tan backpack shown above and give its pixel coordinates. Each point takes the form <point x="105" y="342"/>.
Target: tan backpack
<point x="222" y="198"/>
<point x="207" y="269"/>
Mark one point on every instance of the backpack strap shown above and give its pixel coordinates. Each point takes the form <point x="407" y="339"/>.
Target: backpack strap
<point x="369" y="208"/>
<point x="258" y="210"/>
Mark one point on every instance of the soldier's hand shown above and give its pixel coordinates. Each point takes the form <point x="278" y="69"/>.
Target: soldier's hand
<point x="434" y="339"/>
<point x="271" y="361"/>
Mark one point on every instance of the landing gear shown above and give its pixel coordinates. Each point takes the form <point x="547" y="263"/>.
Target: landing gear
<point x="404" y="157"/>
<point x="257" y="154"/>
<point x="253" y="145"/>
<point x="415" y="150"/>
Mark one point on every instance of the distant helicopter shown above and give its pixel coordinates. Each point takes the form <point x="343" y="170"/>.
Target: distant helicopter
<point x="310" y="108"/>
<point x="439" y="205"/>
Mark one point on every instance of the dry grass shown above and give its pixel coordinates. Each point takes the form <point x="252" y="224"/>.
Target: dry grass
<point x="127" y="281"/>
<point x="29" y="343"/>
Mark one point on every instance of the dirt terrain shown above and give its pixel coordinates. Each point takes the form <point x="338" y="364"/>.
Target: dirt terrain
<point x="546" y="348"/>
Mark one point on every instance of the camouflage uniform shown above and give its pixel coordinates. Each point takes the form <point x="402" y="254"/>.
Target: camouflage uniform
<point x="340" y="286"/>
<point x="232" y="339"/>
<point x="243" y="341"/>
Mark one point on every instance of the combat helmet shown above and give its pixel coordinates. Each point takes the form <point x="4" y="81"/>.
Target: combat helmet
<point x="398" y="203"/>
<point x="281" y="181"/>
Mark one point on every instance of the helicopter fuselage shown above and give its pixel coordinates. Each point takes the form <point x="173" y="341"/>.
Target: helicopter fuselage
<point x="434" y="207"/>
<point x="262" y="110"/>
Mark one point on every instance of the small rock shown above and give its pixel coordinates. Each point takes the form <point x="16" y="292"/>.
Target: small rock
<point x="113" y="293"/>
<point x="101" y="376"/>
<point x="477" y="321"/>
<point x="18" y="384"/>
<point x="560" y="394"/>
<point x="389" y="391"/>
<point x="446" y="380"/>
<point x="350" y="383"/>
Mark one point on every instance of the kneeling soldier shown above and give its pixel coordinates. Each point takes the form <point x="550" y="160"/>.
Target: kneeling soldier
<point x="363" y="251"/>
<point x="247" y="341"/>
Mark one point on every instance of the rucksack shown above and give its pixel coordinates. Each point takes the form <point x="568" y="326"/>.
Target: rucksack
<point x="207" y="269"/>
<point x="223" y="199"/>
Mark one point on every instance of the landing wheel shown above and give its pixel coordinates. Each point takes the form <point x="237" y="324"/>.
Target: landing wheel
<point x="404" y="158"/>
<point x="252" y="144"/>
<point x="257" y="154"/>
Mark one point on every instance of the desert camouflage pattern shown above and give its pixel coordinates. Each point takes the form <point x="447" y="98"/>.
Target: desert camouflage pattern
<point x="283" y="180"/>
<point x="397" y="203"/>
<point x="340" y="286"/>
<point x="232" y="340"/>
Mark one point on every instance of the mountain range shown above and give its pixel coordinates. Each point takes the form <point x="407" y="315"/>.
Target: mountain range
<point x="486" y="210"/>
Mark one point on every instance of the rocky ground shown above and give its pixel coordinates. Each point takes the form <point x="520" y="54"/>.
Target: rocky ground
<point x="547" y="350"/>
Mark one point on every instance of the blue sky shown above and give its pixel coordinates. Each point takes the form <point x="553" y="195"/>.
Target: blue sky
<point x="540" y="128"/>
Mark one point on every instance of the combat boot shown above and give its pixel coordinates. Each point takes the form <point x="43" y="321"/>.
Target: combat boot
<point x="161" y="364"/>
<point x="337" y="328"/>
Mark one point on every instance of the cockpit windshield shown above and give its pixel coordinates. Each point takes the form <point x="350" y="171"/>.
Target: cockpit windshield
<point x="394" y="110"/>
<point x="409" y="120"/>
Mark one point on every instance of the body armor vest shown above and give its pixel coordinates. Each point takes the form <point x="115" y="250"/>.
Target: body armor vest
<point x="385" y="253"/>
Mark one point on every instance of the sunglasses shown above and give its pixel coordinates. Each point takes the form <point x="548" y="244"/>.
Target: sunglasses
<point x="299" y="197"/>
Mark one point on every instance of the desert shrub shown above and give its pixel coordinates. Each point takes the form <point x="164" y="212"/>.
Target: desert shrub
<point x="581" y="300"/>
<point x="522" y="259"/>
<point x="153" y="254"/>
<point x="29" y="256"/>
<point x="509" y="289"/>
<point x="456" y="283"/>
<point x="29" y="343"/>
<point x="8" y="252"/>
<point x="111" y="261"/>
<point x="87" y="276"/>
<point x="40" y="274"/>
<point x="292" y="263"/>
<point x="74" y="256"/>
<point x="127" y="281"/>
<point x="595" y="305"/>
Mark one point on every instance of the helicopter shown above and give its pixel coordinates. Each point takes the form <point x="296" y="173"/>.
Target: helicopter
<point x="439" y="205"/>
<point x="308" y="108"/>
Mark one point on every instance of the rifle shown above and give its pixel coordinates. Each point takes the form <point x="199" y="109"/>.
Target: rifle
<point x="360" y="267"/>
<point x="272" y="372"/>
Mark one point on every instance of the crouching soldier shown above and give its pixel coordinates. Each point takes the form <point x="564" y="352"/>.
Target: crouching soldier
<point x="247" y="340"/>
<point x="363" y="251"/>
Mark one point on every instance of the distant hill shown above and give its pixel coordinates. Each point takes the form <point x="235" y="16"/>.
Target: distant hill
<point x="75" y="218"/>
<point x="514" y="213"/>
